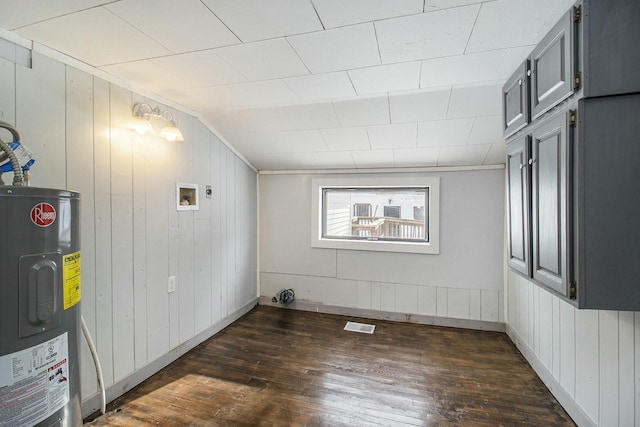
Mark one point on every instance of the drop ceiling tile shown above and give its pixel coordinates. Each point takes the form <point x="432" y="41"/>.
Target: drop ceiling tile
<point x="201" y="98"/>
<point x="386" y="78"/>
<point x="294" y="117"/>
<point x="203" y="68"/>
<point x="339" y="139"/>
<point x="497" y="154"/>
<point x="338" y="13"/>
<point x="253" y="20"/>
<point x="147" y="75"/>
<point x="268" y="92"/>
<point x="373" y="159"/>
<point x="444" y="132"/>
<point x="428" y="35"/>
<point x="433" y="5"/>
<point x="338" y="49"/>
<point x="78" y="34"/>
<point x="462" y="69"/>
<point x="299" y="141"/>
<point x="393" y="136"/>
<point x="416" y="157"/>
<point x="182" y="26"/>
<point x="486" y="130"/>
<point x="419" y="106"/>
<point x="514" y="57"/>
<point x="318" y="87"/>
<point x="270" y="59"/>
<point x="323" y="160"/>
<point x="475" y="100"/>
<point x="363" y="111"/>
<point x="466" y="155"/>
<point x="18" y="13"/>
<point x="500" y="23"/>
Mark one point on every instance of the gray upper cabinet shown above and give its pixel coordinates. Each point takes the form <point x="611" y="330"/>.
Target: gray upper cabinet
<point x="573" y="213"/>
<point x="550" y="203"/>
<point x="552" y="67"/>
<point x="607" y="188"/>
<point x="515" y="98"/>
<point x="518" y="204"/>
<point x="610" y="34"/>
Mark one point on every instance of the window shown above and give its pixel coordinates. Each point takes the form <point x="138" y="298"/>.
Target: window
<point x="394" y="214"/>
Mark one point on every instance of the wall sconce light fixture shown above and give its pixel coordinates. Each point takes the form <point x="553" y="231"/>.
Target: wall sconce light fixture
<point x="142" y="112"/>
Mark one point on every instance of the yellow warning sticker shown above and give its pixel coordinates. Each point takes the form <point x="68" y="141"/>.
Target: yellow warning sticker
<point x="71" y="279"/>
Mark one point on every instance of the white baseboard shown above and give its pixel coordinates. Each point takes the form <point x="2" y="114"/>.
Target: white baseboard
<point x="567" y="402"/>
<point x="92" y="403"/>
<point x="481" y="325"/>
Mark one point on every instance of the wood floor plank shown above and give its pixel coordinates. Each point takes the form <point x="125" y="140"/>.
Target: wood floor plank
<point x="280" y="367"/>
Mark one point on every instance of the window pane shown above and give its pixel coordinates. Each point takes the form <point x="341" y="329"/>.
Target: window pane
<point x="376" y="213"/>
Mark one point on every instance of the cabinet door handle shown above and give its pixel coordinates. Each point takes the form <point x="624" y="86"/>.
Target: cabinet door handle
<point x="521" y="166"/>
<point x="531" y="161"/>
<point x="519" y="82"/>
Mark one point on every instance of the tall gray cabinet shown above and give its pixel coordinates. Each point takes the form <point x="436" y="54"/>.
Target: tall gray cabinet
<point x="571" y="120"/>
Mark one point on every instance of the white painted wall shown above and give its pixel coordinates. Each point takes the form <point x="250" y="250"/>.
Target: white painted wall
<point x="133" y="237"/>
<point x="589" y="357"/>
<point x="464" y="281"/>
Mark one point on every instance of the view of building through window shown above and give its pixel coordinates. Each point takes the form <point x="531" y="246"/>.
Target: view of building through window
<point x="376" y="213"/>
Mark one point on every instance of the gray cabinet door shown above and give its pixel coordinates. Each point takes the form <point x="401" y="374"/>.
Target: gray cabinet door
<point x="518" y="205"/>
<point x="550" y="204"/>
<point x="607" y="152"/>
<point x="552" y="67"/>
<point x="515" y="101"/>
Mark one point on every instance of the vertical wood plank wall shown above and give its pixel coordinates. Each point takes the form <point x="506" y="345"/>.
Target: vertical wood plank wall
<point x="133" y="238"/>
<point x="592" y="355"/>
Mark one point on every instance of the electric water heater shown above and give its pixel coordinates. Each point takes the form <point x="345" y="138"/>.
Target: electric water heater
<point x="39" y="307"/>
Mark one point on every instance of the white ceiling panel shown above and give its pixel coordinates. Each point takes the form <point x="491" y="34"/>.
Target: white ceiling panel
<point x="270" y="59"/>
<point x="202" y="68"/>
<point x="475" y="100"/>
<point x="373" y="159"/>
<point x="509" y="23"/>
<point x="419" y="106"/>
<point x="444" y="132"/>
<point x="497" y="154"/>
<point x="253" y="20"/>
<point x="323" y="160"/>
<point x="338" y="13"/>
<point x="201" y="99"/>
<point x="433" y="5"/>
<point x="318" y="87"/>
<point x="393" y="136"/>
<point x="338" y="49"/>
<point x="462" y="69"/>
<point x="386" y="78"/>
<point x="363" y="112"/>
<point x="295" y="117"/>
<point x="416" y="157"/>
<point x="486" y="130"/>
<point x="197" y="29"/>
<point x="18" y="13"/>
<point x="255" y="94"/>
<point x="148" y="75"/>
<point x="300" y="141"/>
<point x="466" y="155"/>
<point x="514" y="58"/>
<point x="340" y="139"/>
<point x="428" y="35"/>
<point x="79" y="34"/>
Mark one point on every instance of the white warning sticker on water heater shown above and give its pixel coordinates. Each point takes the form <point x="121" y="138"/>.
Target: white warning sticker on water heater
<point x="34" y="382"/>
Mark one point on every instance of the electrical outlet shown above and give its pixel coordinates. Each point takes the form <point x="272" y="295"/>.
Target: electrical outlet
<point x="171" y="284"/>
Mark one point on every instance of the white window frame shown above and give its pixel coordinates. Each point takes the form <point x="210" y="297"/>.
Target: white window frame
<point x="431" y="247"/>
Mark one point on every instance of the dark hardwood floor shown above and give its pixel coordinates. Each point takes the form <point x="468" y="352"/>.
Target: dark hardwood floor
<point x="279" y="367"/>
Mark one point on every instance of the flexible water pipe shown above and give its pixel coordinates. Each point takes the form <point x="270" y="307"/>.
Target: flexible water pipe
<point x="96" y="362"/>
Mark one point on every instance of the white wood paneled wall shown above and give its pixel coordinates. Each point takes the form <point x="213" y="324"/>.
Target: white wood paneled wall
<point x="465" y="281"/>
<point x="593" y="355"/>
<point x="133" y="238"/>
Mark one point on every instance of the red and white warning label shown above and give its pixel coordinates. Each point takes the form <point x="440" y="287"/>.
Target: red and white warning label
<point x="34" y="382"/>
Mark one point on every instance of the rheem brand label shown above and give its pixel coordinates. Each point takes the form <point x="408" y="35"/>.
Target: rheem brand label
<point x="43" y="214"/>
